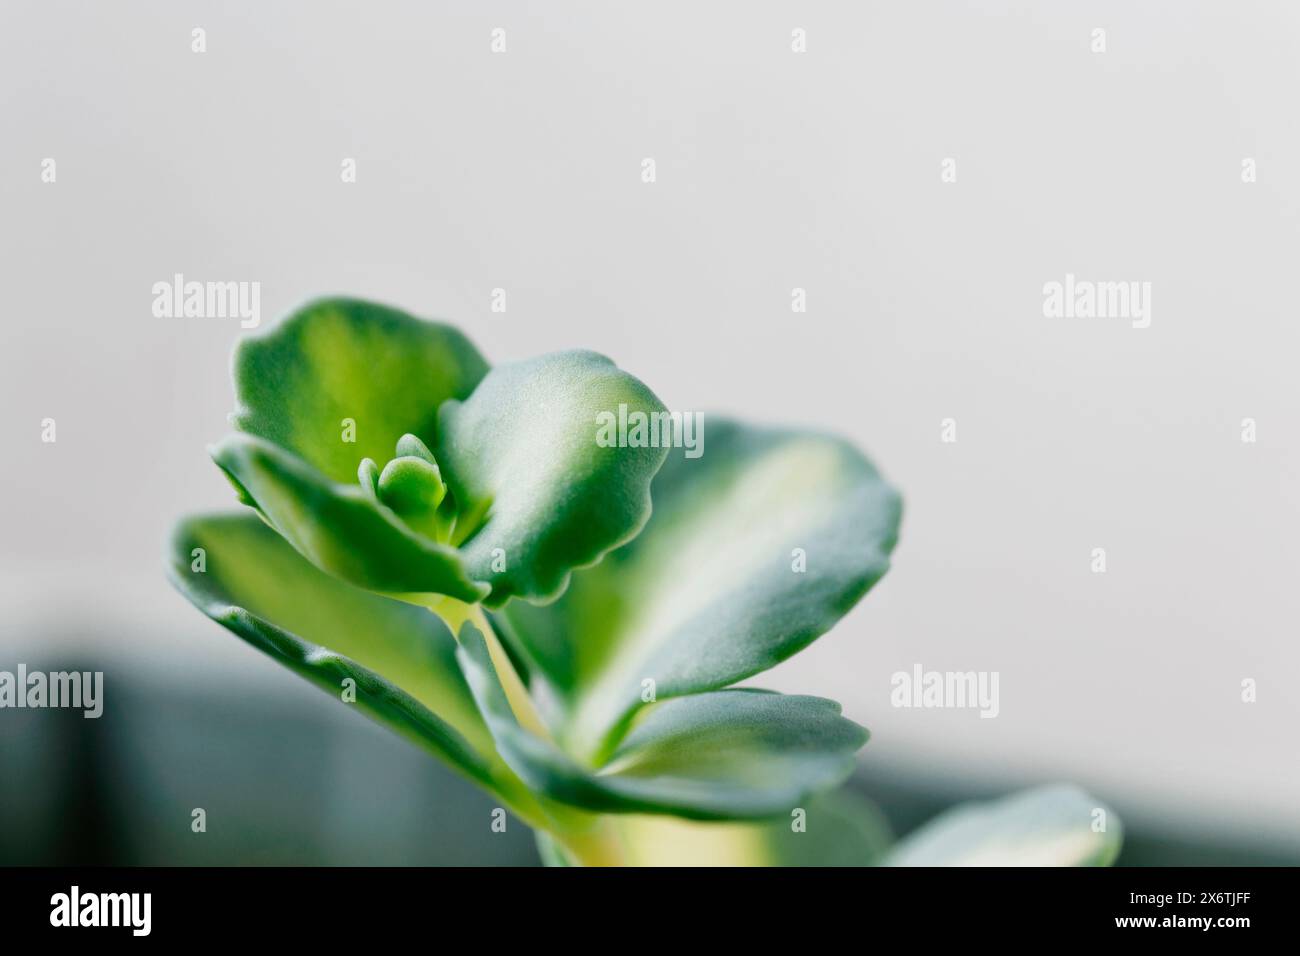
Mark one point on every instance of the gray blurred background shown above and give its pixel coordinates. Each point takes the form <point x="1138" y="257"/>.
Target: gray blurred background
<point x="775" y="170"/>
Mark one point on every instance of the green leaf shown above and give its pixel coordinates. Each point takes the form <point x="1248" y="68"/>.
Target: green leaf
<point x="537" y="495"/>
<point x="342" y="529"/>
<point x="731" y="754"/>
<point x="1046" y="826"/>
<point x="338" y="359"/>
<point x="708" y="593"/>
<point x="840" y="828"/>
<point x="401" y="657"/>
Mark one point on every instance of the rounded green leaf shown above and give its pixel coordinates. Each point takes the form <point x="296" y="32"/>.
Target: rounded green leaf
<point x="733" y="754"/>
<point x="538" y="491"/>
<point x="736" y="753"/>
<point x="412" y="487"/>
<point x="342" y="529"/>
<point x="341" y="380"/>
<point x="1055" y="825"/>
<point x="402" y="658"/>
<point x="754" y="549"/>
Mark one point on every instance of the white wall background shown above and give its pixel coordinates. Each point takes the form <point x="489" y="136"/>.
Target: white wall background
<point x="775" y="170"/>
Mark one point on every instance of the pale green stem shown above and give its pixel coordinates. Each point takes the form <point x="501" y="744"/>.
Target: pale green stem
<point x="591" y="838"/>
<point x="455" y="613"/>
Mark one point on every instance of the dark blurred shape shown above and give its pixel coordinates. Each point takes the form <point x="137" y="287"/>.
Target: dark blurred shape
<point x="289" y="779"/>
<point x="293" y="778"/>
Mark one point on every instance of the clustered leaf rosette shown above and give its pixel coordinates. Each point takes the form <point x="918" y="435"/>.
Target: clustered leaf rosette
<point x="593" y="603"/>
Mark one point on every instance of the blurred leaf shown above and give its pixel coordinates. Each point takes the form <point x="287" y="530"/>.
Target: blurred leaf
<point x="842" y="829"/>
<point x="550" y="851"/>
<point x="402" y="657"/>
<point x="532" y="486"/>
<point x="1046" y="826"/>
<point x="722" y="755"/>
<point x="339" y="359"/>
<point x="708" y="593"/>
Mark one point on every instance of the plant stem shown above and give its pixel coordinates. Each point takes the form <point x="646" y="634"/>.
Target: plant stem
<point x="454" y="614"/>
<point x="594" y="841"/>
<point x="591" y="839"/>
<point x="521" y="702"/>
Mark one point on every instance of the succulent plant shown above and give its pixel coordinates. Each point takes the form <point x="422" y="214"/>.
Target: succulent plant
<point x="450" y="547"/>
